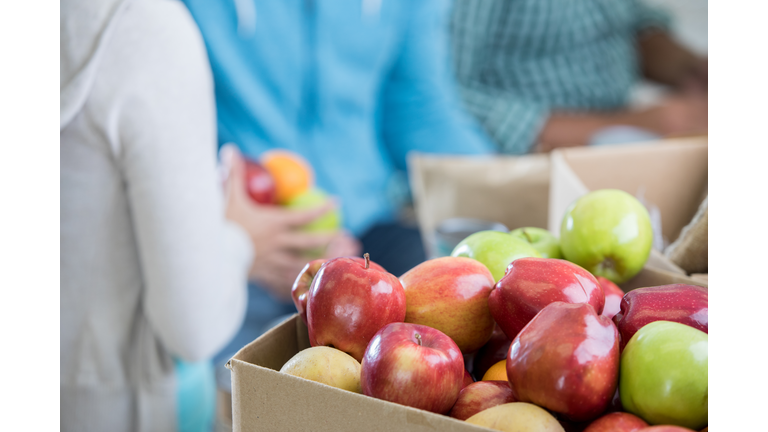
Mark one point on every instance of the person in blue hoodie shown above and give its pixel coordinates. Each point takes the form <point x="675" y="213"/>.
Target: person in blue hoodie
<point x="351" y="85"/>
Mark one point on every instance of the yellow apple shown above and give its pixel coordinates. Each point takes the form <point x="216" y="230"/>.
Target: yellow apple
<point x="516" y="417"/>
<point x="325" y="365"/>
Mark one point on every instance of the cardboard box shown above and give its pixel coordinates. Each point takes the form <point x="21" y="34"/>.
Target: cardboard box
<point x="535" y="190"/>
<point x="264" y="399"/>
<point x="512" y="190"/>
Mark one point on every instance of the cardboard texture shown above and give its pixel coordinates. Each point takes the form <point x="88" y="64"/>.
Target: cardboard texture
<point x="264" y="399"/>
<point x="507" y="189"/>
<point x="535" y="190"/>
<point x="690" y="251"/>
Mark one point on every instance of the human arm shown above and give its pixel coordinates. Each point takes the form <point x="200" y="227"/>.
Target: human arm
<point x="677" y="115"/>
<point x="662" y="58"/>
<point x="666" y="61"/>
<point x="194" y="262"/>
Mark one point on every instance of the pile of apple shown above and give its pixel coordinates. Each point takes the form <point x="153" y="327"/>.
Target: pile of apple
<point x="576" y="352"/>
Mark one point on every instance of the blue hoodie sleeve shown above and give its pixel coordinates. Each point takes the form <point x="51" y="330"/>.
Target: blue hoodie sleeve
<point x="420" y="108"/>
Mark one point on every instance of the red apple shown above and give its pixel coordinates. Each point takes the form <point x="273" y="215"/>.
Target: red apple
<point x="566" y="360"/>
<point x="685" y="304"/>
<point x="665" y="428"/>
<point x="480" y="396"/>
<point x="613" y="296"/>
<point x="532" y="283"/>
<point x="303" y="282"/>
<point x="349" y="302"/>
<point x="259" y="183"/>
<point x="617" y="422"/>
<point x="467" y="379"/>
<point x="413" y="365"/>
<point x="491" y="353"/>
<point x="451" y="295"/>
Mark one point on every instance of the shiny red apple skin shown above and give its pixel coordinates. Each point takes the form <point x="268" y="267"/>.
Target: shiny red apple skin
<point x="685" y="304"/>
<point x="348" y="303"/>
<point x="566" y="360"/>
<point x="532" y="283"/>
<point x="613" y="296"/>
<point x="303" y="282"/>
<point x="617" y="422"/>
<point x="480" y="396"/>
<point x="451" y="295"/>
<point x="665" y="428"/>
<point x="467" y="379"/>
<point x="413" y="365"/>
<point x="494" y="351"/>
<point x="259" y="183"/>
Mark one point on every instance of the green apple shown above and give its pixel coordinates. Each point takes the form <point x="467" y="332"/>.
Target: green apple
<point x="663" y="375"/>
<point x="330" y="221"/>
<point x="542" y="240"/>
<point x="495" y="250"/>
<point x="608" y="232"/>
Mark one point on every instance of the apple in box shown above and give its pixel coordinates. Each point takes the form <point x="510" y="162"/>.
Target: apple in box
<point x="413" y="365"/>
<point x="516" y="417"/>
<point x="349" y="302"/>
<point x="566" y="360"/>
<point x="613" y="296"/>
<point x="685" y="304"/>
<point x="451" y="295"/>
<point x="617" y="422"/>
<point x="608" y="232"/>
<point x="303" y="282"/>
<point x="480" y="396"/>
<point x="325" y="365"/>
<point x="494" y="249"/>
<point x="532" y="283"/>
<point x="664" y="375"/>
<point x="542" y="240"/>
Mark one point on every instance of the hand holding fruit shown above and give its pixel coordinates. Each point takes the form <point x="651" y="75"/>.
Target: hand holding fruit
<point x="274" y="231"/>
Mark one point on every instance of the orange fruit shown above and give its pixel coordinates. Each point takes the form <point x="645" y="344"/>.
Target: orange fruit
<point x="292" y="173"/>
<point x="497" y="372"/>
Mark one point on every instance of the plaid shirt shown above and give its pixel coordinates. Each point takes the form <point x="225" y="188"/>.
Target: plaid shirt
<point x="517" y="60"/>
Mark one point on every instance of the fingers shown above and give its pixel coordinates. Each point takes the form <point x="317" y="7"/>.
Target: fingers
<point x="277" y="272"/>
<point x="343" y="245"/>
<point x="299" y="218"/>
<point x="302" y="241"/>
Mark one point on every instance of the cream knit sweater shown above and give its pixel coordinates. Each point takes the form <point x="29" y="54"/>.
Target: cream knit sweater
<point x="150" y="268"/>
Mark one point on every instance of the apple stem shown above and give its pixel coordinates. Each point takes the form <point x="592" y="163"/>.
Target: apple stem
<point x="418" y="338"/>
<point x="525" y="233"/>
<point x="367" y="260"/>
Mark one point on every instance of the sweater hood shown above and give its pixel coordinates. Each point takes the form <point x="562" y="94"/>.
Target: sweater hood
<point x="86" y="28"/>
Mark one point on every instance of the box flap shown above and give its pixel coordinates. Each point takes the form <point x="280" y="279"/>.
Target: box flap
<point x="649" y="277"/>
<point x="512" y="190"/>
<point x="265" y="399"/>
<point x="565" y="187"/>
